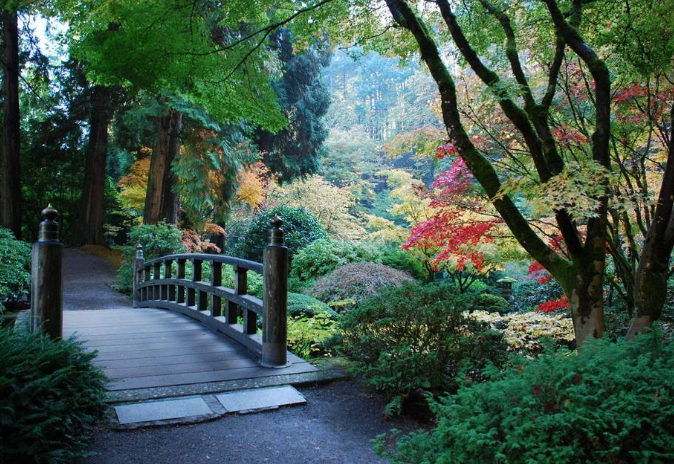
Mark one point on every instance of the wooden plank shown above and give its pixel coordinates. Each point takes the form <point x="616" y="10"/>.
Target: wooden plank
<point x="147" y="335"/>
<point x="201" y="377"/>
<point x="153" y="346"/>
<point x="234" y="331"/>
<point x="190" y="336"/>
<point x="127" y="325"/>
<point x="167" y="360"/>
<point x="166" y="369"/>
<point x="219" y="348"/>
<point x="135" y="330"/>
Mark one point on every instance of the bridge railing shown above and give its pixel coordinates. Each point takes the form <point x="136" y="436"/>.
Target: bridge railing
<point x="164" y="283"/>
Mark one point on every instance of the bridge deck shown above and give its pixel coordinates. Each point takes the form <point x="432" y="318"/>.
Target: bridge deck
<point x="146" y="348"/>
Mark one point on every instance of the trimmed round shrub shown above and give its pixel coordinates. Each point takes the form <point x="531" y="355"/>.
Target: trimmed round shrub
<point x="300" y="305"/>
<point x="491" y="303"/>
<point x="15" y="257"/>
<point x="608" y="403"/>
<point x="325" y="255"/>
<point x="416" y="337"/>
<point x="157" y="240"/>
<point x="300" y="228"/>
<point x="50" y="394"/>
<point x="356" y="282"/>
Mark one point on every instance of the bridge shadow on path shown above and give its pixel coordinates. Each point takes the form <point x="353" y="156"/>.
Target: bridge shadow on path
<point x="155" y="349"/>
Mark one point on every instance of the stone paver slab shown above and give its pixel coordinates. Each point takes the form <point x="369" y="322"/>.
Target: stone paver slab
<point x="260" y="398"/>
<point x="161" y="410"/>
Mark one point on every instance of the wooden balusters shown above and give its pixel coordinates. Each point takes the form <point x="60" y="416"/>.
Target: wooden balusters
<point x="147" y="291"/>
<point x="168" y="273"/>
<point x="181" y="275"/>
<point x="196" y="277"/>
<point x="156" y="293"/>
<point x="216" y="281"/>
<point x="241" y="288"/>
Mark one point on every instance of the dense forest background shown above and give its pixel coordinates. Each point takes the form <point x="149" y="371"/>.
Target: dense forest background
<point x="509" y="151"/>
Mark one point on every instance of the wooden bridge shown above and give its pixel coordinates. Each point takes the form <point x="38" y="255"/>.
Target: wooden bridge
<point x="184" y="327"/>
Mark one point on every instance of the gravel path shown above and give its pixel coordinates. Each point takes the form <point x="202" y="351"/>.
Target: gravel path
<point x="334" y="427"/>
<point x="87" y="281"/>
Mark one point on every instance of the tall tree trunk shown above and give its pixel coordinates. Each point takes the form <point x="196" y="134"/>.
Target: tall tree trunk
<point x="10" y="205"/>
<point x="160" y="203"/>
<point x="89" y="227"/>
<point x="170" y="200"/>
<point x="650" y="286"/>
<point x="585" y="290"/>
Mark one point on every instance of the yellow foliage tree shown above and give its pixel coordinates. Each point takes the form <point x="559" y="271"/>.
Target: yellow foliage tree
<point x="332" y="205"/>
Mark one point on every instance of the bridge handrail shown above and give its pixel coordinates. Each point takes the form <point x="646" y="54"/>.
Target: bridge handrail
<point x="231" y="260"/>
<point x="203" y="300"/>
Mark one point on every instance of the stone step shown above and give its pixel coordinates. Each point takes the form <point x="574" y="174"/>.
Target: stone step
<point x="205" y="407"/>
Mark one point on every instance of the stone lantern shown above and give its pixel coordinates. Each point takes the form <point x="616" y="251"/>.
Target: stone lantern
<point x="506" y="286"/>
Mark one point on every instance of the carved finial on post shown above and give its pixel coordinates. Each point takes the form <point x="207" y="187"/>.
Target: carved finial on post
<point x="47" y="282"/>
<point x="274" y="322"/>
<point x="276" y="233"/>
<point x="138" y="265"/>
<point x="49" y="228"/>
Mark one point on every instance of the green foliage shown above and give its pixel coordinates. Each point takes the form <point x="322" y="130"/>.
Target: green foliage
<point x="300" y="305"/>
<point x="15" y="257"/>
<point x="323" y="256"/>
<point x="528" y="294"/>
<point x="396" y="258"/>
<point x="50" y="393"/>
<point x="300" y="228"/>
<point x="356" y="282"/>
<point x="610" y="402"/>
<point x="157" y="240"/>
<point x="417" y="337"/>
<point x="295" y="151"/>
<point x="491" y="303"/>
<point x="155" y="46"/>
<point x="307" y="336"/>
<point x="527" y="332"/>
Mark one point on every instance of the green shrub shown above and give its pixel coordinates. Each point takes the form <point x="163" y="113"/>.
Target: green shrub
<point x="15" y="257"/>
<point x="609" y="403"/>
<point x="50" y="393"/>
<point x="307" y="336"/>
<point x="325" y="255"/>
<point x="403" y="261"/>
<point x="299" y="225"/>
<point x="356" y="282"/>
<point x="300" y="305"/>
<point x="416" y="337"/>
<point x="157" y="240"/>
<point x="528" y="294"/>
<point x="491" y="303"/>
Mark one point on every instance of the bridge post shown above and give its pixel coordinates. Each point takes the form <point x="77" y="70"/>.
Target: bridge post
<point x="275" y="322"/>
<point x="137" y="268"/>
<point x="47" y="278"/>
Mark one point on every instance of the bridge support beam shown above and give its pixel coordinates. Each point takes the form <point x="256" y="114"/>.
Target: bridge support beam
<point x="47" y="278"/>
<point x="275" y="321"/>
